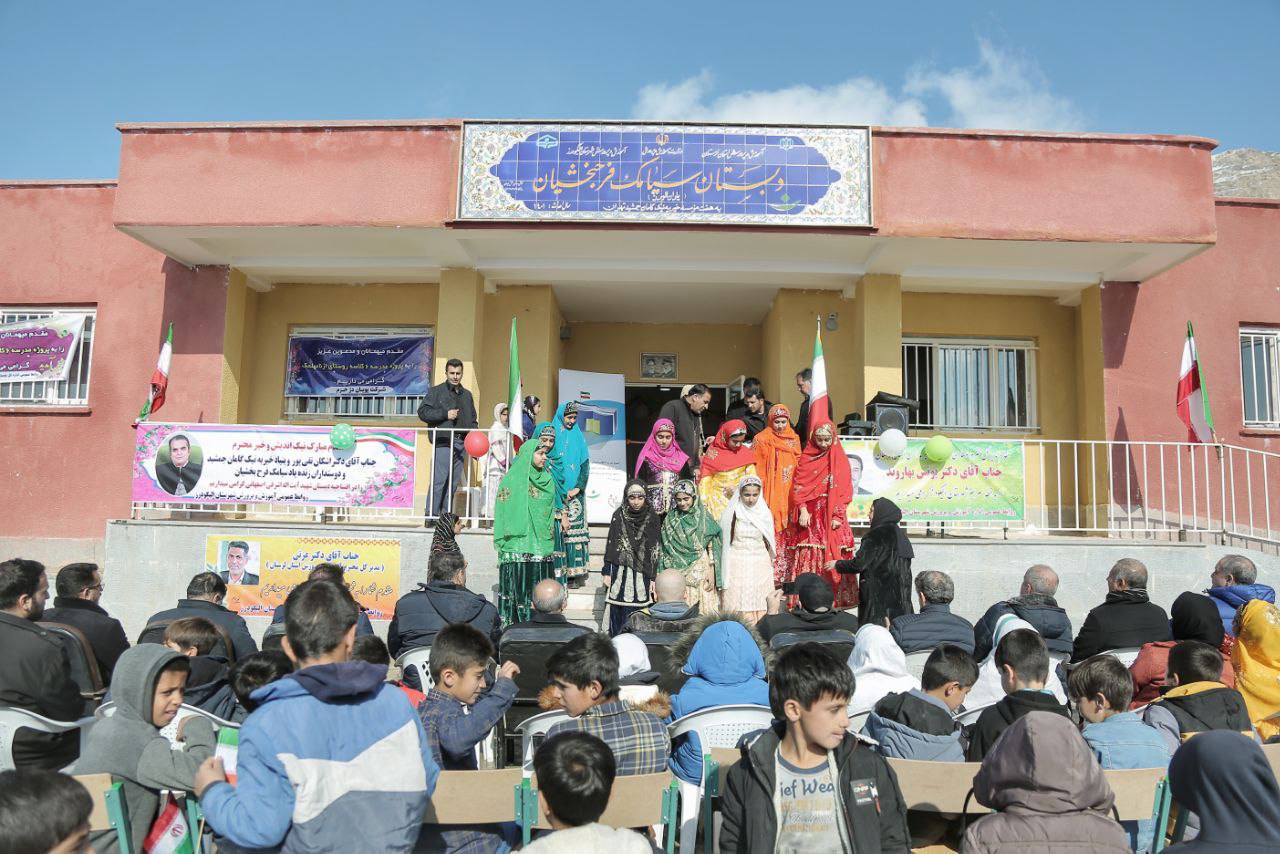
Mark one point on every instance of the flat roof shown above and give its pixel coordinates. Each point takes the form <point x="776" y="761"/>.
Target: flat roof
<point x="21" y="183"/>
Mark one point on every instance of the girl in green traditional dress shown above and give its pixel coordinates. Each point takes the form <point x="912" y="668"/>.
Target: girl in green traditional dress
<point x="524" y="516"/>
<point x="570" y="465"/>
<point x="691" y="544"/>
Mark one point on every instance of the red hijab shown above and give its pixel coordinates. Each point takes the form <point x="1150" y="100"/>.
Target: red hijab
<point x="823" y="472"/>
<point x="720" y="457"/>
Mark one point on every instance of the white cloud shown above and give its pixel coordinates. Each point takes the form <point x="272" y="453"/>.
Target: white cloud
<point x="1003" y="91"/>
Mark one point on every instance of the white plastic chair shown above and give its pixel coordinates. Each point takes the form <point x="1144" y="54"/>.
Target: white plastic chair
<point x="718" y="726"/>
<point x="916" y="662"/>
<point x="419" y="658"/>
<point x="858" y="721"/>
<point x="536" y="727"/>
<point x="1127" y="654"/>
<point x="12" y="720"/>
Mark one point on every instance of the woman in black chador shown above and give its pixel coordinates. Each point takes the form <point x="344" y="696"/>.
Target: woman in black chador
<point x="883" y="564"/>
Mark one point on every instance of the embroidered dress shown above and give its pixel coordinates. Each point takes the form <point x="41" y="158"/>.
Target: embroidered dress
<point x="723" y="466"/>
<point x="497" y="459"/>
<point x="691" y="544"/>
<point x="660" y="468"/>
<point x="524" y="514"/>
<point x="570" y="465"/>
<point x="630" y="558"/>
<point x="823" y="487"/>
<point x="748" y="550"/>
<point x="777" y="455"/>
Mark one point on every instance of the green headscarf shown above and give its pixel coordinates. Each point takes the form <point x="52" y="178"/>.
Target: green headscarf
<point x="686" y="533"/>
<point x="524" y="510"/>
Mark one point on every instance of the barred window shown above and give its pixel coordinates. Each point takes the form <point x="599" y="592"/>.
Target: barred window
<point x="1260" y="376"/>
<point x="74" y="390"/>
<point x="319" y="407"/>
<point x="970" y="384"/>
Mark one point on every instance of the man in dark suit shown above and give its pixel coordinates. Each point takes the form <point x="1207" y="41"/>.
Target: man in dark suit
<point x="179" y="475"/>
<point x="804" y="382"/>
<point x="34" y="670"/>
<point x="237" y="558"/>
<point x="79" y="588"/>
<point x="205" y="593"/>
<point x="752" y="410"/>
<point x="448" y="405"/>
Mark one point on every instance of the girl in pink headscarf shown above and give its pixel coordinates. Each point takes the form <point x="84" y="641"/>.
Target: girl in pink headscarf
<point x="661" y="463"/>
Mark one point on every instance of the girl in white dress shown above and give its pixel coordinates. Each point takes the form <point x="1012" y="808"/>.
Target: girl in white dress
<point x="748" y="549"/>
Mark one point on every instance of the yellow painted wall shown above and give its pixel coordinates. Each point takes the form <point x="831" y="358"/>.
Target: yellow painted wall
<point x="538" y="323"/>
<point x="1051" y="326"/>
<point x="707" y="353"/>
<point x="239" y="335"/>
<point x="262" y="385"/>
<point x="794" y="316"/>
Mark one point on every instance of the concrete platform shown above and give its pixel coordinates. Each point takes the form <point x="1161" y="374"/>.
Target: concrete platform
<point x="147" y="565"/>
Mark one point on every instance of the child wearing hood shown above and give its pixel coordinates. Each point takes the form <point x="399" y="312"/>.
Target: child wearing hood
<point x="147" y="688"/>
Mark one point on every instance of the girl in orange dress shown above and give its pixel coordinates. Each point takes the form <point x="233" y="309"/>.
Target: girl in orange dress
<point x="777" y="450"/>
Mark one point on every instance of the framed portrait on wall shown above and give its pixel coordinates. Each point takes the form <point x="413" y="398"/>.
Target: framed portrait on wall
<point x="658" y="366"/>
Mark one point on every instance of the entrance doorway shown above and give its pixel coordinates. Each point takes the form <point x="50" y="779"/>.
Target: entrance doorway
<point x="643" y="403"/>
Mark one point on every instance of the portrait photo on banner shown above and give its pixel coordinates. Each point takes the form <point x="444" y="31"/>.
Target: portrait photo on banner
<point x="179" y="461"/>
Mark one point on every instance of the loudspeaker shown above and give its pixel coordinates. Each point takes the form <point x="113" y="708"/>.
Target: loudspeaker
<point x="889" y="416"/>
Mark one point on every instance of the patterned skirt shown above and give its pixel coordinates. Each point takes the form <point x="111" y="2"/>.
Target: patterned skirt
<point x="517" y="576"/>
<point x="573" y="547"/>
<point x="698" y="576"/>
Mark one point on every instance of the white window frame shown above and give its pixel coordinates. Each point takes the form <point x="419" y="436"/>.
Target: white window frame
<point x="995" y="407"/>
<point x="379" y="408"/>
<point x="53" y="394"/>
<point x="1269" y="339"/>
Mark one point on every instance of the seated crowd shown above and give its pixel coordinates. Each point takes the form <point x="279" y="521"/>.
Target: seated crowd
<point x="329" y="733"/>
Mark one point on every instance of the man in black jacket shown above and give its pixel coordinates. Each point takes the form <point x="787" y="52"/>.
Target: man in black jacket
<point x="1126" y="618"/>
<point x="34" y="668"/>
<point x="79" y="587"/>
<point x="671" y="613"/>
<point x="814" y="613"/>
<point x="789" y="766"/>
<point x="205" y="594"/>
<point x="804" y="382"/>
<point x="686" y="413"/>
<point x="444" y="599"/>
<point x="935" y="624"/>
<point x="752" y="409"/>
<point x="448" y="405"/>
<point x="1023" y="660"/>
<point x="1035" y="604"/>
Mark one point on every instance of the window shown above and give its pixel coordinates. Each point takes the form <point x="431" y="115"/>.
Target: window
<point x="970" y="384"/>
<point x="304" y="407"/>
<point x="1260" y="376"/>
<point x="74" y="390"/>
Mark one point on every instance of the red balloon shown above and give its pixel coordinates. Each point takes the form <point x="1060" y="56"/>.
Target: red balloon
<point x="476" y="443"/>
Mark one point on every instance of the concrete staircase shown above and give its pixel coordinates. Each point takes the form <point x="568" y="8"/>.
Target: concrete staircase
<point x="586" y="603"/>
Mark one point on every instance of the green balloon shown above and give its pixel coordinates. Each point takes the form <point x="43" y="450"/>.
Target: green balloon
<point x="343" y="437"/>
<point x="938" y="448"/>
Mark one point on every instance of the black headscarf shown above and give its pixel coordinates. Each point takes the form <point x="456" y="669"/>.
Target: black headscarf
<point x="1225" y="779"/>
<point x="885" y="513"/>
<point x="1195" y="617"/>
<point x="443" y="540"/>
<point x="633" y="534"/>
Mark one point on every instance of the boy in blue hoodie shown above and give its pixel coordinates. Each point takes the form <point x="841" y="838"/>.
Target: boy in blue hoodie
<point x="1101" y="688"/>
<point x="921" y="724"/>
<point x="334" y="758"/>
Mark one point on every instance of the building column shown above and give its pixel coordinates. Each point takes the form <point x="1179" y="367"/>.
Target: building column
<point x="460" y="325"/>
<point x="238" y="337"/>
<point x="877" y="322"/>
<point x="1090" y="389"/>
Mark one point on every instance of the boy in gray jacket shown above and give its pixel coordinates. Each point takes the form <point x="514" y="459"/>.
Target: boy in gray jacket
<point x="147" y="688"/>
<point x="920" y="724"/>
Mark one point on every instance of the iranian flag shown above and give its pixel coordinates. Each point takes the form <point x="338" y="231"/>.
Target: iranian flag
<point x="169" y="833"/>
<point x="819" y="400"/>
<point x="159" y="379"/>
<point x="1193" y="397"/>
<point x="515" y="392"/>
<point x="228" y="750"/>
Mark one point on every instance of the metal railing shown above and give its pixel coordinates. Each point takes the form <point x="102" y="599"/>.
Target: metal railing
<point x="1171" y="490"/>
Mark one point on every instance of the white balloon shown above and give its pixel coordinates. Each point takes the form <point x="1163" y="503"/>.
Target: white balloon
<point x="892" y="443"/>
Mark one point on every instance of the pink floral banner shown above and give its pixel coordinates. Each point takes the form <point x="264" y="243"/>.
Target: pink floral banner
<point x="252" y="464"/>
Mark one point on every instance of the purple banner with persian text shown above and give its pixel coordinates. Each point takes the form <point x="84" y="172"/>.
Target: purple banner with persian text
<point x="39" y="350"/>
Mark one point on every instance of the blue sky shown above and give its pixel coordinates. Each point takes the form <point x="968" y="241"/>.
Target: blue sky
<point x="70" y="70"/>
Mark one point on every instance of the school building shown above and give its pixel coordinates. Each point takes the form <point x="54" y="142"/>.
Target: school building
<point x="1031" y="286"/>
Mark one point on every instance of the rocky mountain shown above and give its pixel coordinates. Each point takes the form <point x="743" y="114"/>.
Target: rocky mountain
<point x="1247" y="172"/>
